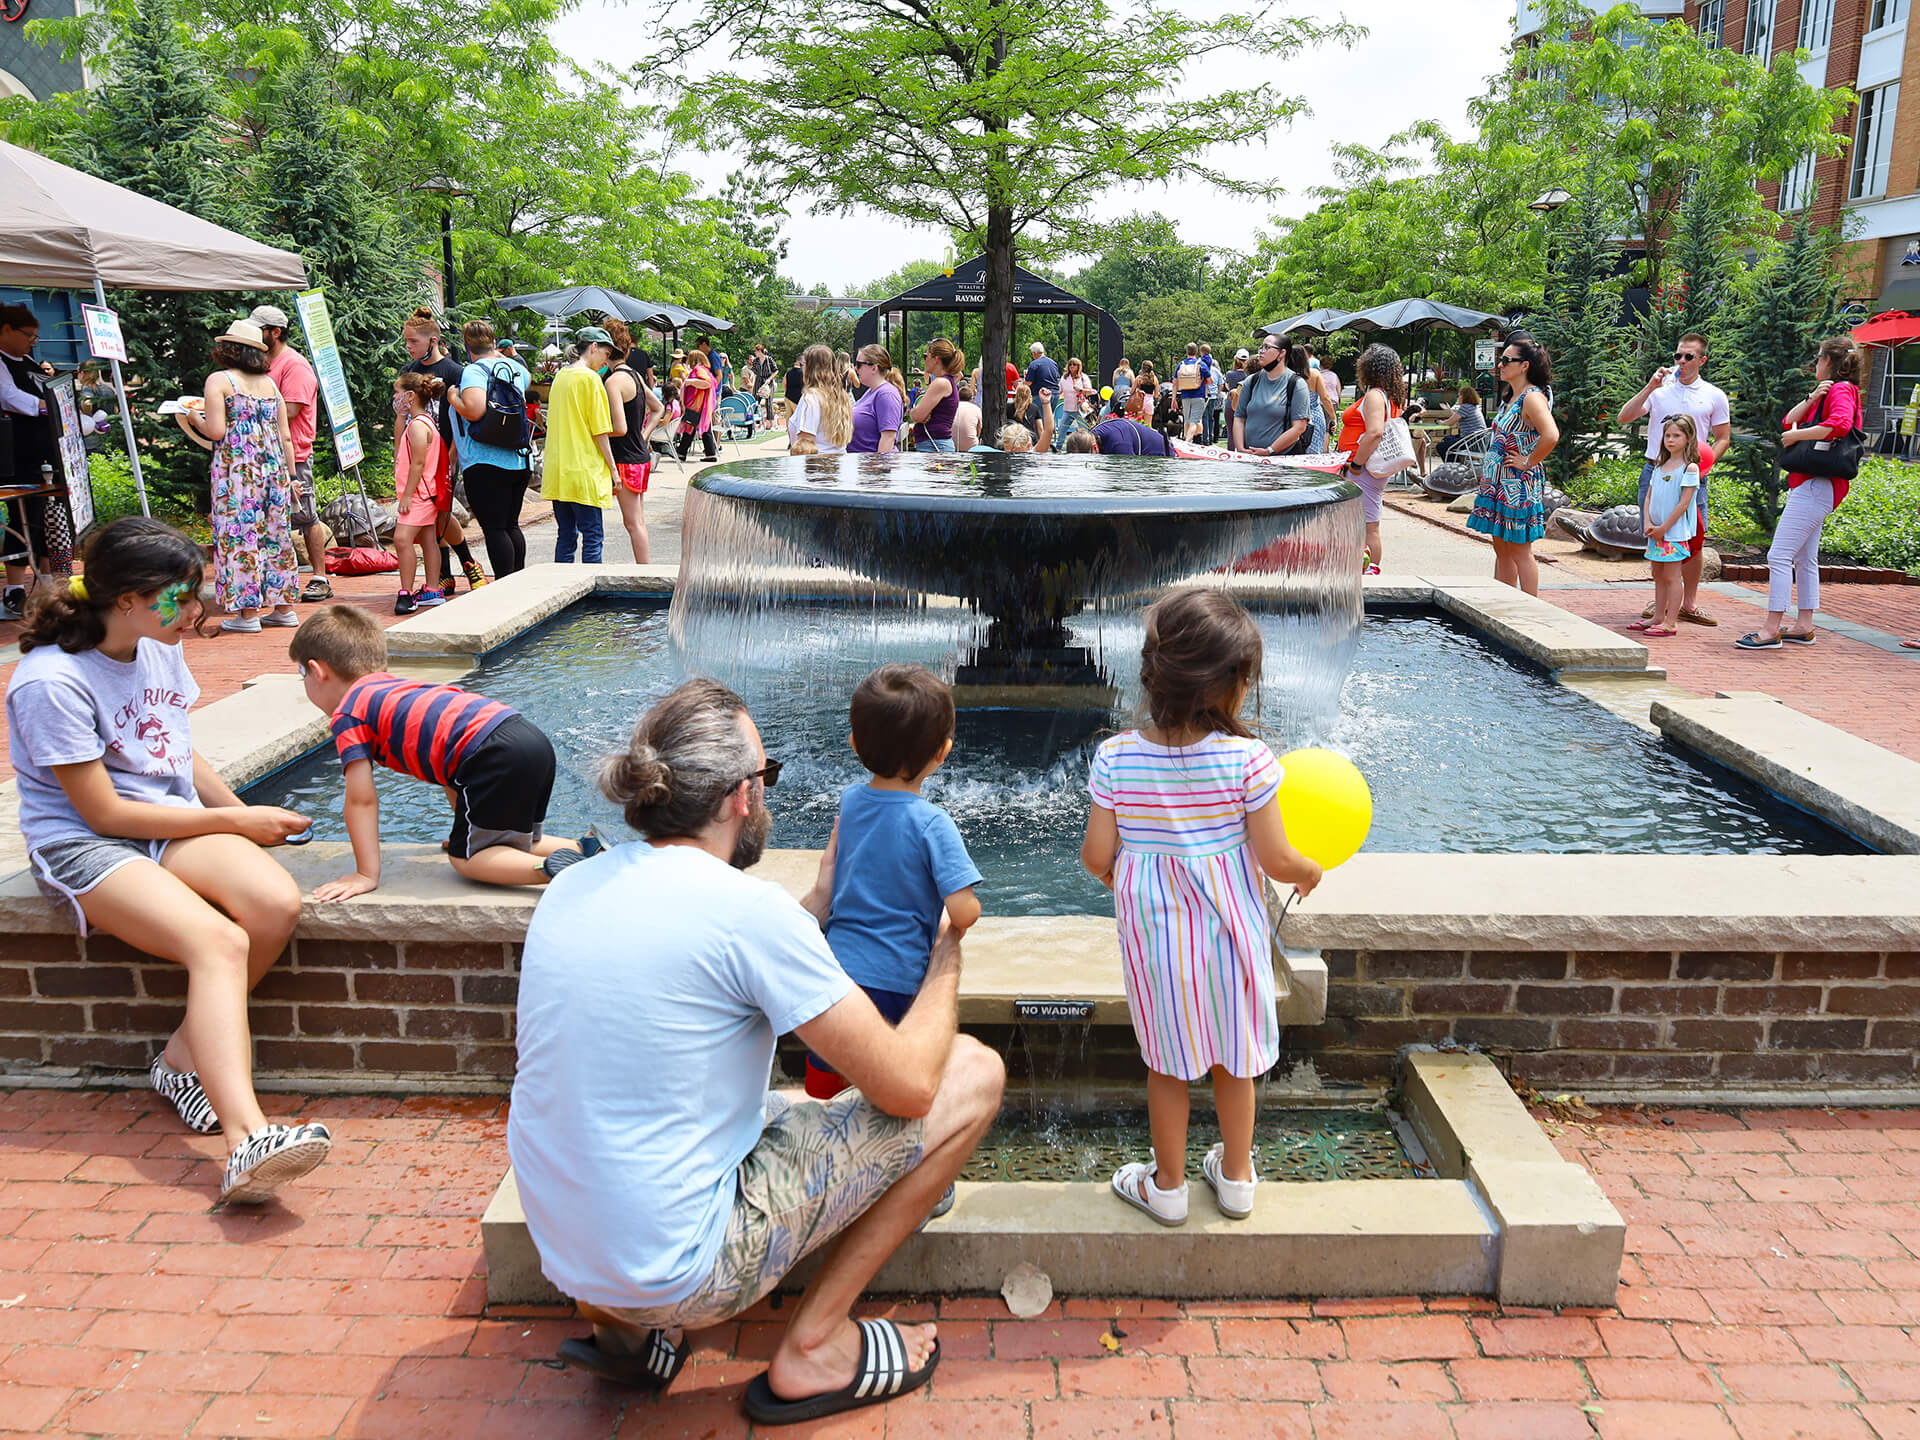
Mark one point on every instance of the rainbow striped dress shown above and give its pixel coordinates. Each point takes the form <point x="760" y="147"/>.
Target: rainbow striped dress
<point x="1187" y="895"/>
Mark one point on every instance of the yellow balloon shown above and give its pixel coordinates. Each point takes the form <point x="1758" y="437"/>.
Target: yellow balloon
<point x="1325" y="804"/>
<point x="1106" y="392"/>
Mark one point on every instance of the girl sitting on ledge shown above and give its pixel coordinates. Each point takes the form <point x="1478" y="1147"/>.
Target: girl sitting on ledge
<point x="132" y="827"/>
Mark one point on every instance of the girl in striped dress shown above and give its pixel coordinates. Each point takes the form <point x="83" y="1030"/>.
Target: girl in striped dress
<point x="1182" y="829"/>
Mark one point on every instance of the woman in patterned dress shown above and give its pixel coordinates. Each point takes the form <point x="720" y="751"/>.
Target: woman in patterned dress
<point x="1510" y="509"/>
<point x="1183" y="828"/>
<point x="254" y="565"/>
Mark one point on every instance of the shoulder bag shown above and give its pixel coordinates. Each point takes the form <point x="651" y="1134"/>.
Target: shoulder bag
<point x="1394" y="453"/>
<point x="1835" y="459"/>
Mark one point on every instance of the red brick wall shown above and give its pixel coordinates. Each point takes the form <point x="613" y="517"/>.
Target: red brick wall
<point x="1623" y="1019"/>
<point x="416" y="1012"/>
<point x="414" y="1008"/>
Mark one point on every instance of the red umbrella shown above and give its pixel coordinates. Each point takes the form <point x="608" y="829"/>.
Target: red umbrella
<point x="1890" y="327"/>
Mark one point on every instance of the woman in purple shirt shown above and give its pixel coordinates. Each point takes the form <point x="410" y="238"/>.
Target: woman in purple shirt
<point x="876" y="414"/>
<point x="939" y="398"/>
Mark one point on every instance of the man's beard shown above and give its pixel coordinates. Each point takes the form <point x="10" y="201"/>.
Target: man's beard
<point x="751" y="843"/>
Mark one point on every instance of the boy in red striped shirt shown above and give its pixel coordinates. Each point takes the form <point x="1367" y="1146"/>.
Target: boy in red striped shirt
<point x="495" y="765"/>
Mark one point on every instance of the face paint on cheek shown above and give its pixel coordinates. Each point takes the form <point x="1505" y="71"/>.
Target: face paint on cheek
<point x="168" y="602"/>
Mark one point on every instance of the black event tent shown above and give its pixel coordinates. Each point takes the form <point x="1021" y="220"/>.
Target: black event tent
<point x="962" y="292"/>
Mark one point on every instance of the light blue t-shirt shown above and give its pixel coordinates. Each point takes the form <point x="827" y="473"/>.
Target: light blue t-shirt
<point x="476" y="376"/>
<point x="652" y="986"/>
<point x="1664" y="494"/>
<point x="900" y="857"/>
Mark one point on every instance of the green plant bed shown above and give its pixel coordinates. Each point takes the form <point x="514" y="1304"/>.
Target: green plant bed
<point x="1879" y="524"/>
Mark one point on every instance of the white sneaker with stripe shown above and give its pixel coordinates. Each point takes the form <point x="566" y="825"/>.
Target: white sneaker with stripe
<point x="181" y="1089"/>
<point x="270" y="1157"/>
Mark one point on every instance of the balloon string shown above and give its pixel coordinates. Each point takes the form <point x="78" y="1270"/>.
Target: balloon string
<point x="1286" y="905"/>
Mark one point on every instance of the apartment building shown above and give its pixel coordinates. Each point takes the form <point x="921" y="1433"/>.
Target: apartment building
<point x="1868" y="47"/>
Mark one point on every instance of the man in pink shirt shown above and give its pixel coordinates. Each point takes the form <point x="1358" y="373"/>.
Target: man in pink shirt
<point x="300" y="390"/>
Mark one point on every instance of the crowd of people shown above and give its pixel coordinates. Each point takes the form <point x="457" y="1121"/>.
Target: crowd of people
<point x="646" y="1069"/>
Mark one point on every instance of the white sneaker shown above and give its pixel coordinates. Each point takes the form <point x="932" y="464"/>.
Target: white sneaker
<point x="1234" y="1197"/>
<point x="181" y="1089"/>
<point x="280" y="619"/>
<point x="270" y="1157"/>
<point x="1133" y="1183"/>
<point x="234" y="625"/>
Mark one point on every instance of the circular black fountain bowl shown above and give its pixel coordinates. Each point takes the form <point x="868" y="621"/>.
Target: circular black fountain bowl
<point x="1027" y="538"/>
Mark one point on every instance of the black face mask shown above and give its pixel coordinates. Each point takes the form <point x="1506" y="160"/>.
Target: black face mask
<point x="1270" y="365"/>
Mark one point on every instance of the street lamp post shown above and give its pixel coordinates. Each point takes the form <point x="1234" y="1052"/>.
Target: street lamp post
<point x="448" y="190"/>
<point x="1546" y="203"/>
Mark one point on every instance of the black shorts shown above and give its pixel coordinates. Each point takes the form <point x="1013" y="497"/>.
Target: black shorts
<point x="501" y="789"/>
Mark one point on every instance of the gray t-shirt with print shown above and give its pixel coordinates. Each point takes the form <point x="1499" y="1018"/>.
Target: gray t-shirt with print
<point x="131" y="714"/>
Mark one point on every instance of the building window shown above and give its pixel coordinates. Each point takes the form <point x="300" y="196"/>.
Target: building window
<point x="1816" y="24"/>
<point x="1885" y="13"/>
<point x="1712" y="21"/>
<point x="1903" y="373"/>
<point x="1873" y="142"/>
<point x="1759" y="42"/>
<point x="1796" y="186"/>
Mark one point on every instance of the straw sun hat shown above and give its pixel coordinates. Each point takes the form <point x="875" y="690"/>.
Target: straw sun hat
<point x="243" y="332"/>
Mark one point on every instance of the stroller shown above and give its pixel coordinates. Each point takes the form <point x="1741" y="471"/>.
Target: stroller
<point x="736" y="419"/>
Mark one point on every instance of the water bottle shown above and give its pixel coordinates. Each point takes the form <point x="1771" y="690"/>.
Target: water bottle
<point x="46" y="474"/>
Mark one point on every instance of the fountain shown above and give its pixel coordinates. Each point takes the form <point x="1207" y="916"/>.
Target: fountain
<point x="1024" y="543"/>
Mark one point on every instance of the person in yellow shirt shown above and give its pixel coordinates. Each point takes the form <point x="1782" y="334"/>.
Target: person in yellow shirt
<point x="578" y="473"/>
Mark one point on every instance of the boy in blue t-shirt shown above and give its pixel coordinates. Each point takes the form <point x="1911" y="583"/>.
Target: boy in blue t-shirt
<point x="901" y="860"/>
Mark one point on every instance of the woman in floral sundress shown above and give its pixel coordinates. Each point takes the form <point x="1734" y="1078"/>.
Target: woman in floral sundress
<point x="1510" y="509"/>
<point x="254" y="564"/>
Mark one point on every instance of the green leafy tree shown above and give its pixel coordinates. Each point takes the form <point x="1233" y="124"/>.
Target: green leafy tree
<point x="1385" y="231"/>
<point x="357" y="247"/>
<point x="1140" y="257"/>
<point x="1787" y="306"/>
<point x="1164" y="325"/>
<point x="994" y="120"/>
<point x="1655" y="107"/>
<point x="1696" y="294"/>
<point x="1581" y="327"/>
<point x="154" y="127"/>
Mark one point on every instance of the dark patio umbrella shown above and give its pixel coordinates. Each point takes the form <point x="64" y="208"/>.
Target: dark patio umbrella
<point x="1417" y="315"/>
<point x="1323" y="321"/>
<point x="658" y="314"/>
<point x="1421" y="316"/>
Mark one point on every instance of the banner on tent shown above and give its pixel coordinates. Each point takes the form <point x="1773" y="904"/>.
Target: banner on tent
<point x="318" y="325"/>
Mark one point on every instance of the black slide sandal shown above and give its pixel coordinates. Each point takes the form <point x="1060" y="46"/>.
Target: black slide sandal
<point x="650" y="1368"/>
<point x="882" y="1375"/>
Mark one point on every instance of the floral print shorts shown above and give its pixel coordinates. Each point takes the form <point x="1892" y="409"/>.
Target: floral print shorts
<point x="819" y="1166"/>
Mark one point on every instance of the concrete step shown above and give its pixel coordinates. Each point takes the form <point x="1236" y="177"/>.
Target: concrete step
<point x="1508" y="1218"/>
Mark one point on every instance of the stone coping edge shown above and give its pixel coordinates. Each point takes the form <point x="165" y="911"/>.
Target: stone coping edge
<point x="1859" y="787"/>
<point x="1517" y="1222"/>
<point x="1560" y="1239"/>
<point x="1763" y="903"/>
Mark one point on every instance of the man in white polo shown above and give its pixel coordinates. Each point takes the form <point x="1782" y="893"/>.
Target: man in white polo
<point x="666" y="1188"/>
<point x="1679" y="390"/>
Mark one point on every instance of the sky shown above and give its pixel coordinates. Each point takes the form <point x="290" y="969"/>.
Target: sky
<point x="1421" y="59"/>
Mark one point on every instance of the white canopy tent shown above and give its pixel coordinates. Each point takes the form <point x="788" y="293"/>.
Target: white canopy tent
<point x="62" y="229"/>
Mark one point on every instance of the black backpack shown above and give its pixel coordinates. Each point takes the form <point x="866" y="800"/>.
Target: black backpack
<point x="504" y="425"/>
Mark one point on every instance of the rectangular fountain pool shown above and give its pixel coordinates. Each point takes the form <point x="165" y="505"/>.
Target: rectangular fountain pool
<point x="1467" y="748"/>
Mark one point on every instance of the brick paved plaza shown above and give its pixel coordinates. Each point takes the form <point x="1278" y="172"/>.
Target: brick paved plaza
<point x="1771" y="1290"/>
<point x="1771" y="1287"/>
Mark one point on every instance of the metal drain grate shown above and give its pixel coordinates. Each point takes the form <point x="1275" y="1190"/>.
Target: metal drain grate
<point x="1295" y="1145"/>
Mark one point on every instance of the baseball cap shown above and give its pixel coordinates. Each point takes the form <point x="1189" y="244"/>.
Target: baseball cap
<point x="1241" y="354"/>
<point x="592" y="335"/>
<point x="265" y="315"/>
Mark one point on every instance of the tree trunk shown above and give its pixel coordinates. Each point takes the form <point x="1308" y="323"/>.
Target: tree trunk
<point x="997" y="322"/>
